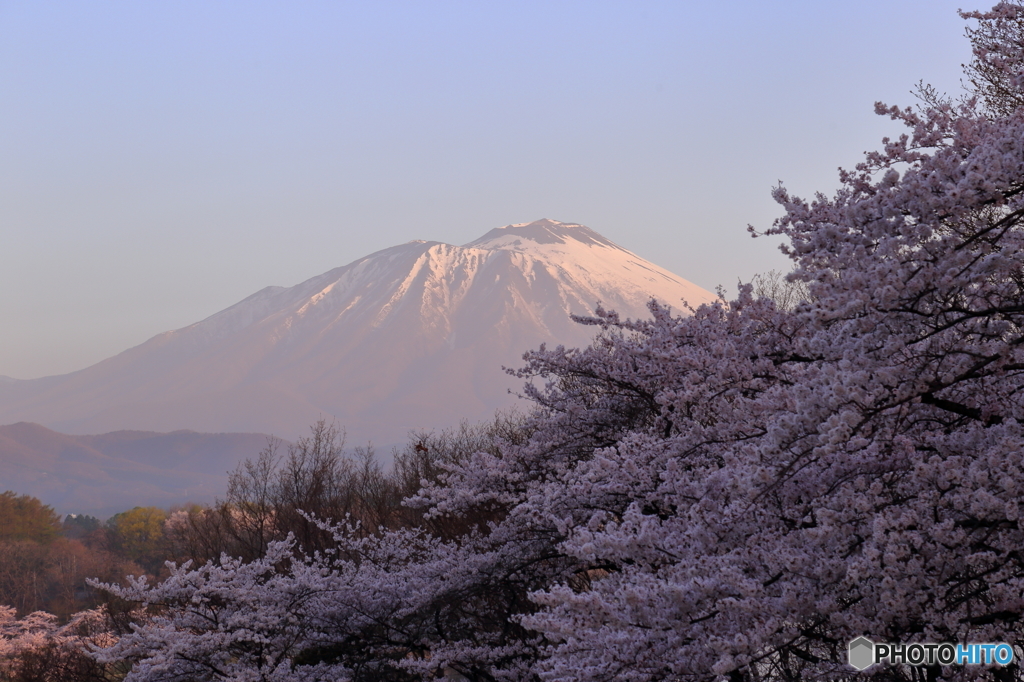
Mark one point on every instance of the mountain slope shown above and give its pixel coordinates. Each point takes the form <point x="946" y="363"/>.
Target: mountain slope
<point x="113" y="472"/>
<point x="413" y="336"/>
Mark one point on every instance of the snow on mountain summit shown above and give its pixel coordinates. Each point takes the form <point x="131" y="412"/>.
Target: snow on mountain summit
<point x="592" y="262"/>
<point x="524" y="236"/>
<point x="412" y="336"/>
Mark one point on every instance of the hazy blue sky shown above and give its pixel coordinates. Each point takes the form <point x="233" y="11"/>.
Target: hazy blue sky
<point x="161" y="161"/>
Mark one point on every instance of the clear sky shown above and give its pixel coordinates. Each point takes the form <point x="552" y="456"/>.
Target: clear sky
<point x="161" y="161"/>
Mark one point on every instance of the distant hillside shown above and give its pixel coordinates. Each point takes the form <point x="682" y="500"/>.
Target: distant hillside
<point x="105" y="474"/>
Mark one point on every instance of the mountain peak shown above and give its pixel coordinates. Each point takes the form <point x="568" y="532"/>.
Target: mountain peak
<point x="412" y="336"/>
<point x="543" y="231"/>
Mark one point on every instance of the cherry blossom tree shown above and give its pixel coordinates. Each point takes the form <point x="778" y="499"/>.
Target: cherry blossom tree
<point x="38" y="648"/>
<point x="852" y="467"/>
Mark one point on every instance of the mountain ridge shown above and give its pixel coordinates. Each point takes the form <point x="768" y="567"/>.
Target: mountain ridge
<point x="409" y="337"/>
<point x="112" y="472"/>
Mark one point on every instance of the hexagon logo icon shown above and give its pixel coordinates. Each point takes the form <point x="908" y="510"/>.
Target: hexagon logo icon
<point x="862" y="653"/>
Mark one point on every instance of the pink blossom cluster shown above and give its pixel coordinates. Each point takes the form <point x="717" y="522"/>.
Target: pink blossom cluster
<point x="41" y="631"/>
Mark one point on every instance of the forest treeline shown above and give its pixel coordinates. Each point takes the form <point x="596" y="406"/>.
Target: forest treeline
<point x="49" y="565"/>
<point x="46" y="561"/>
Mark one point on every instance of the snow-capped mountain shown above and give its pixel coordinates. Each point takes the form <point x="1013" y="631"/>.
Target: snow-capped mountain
<point x="414" y="336"/>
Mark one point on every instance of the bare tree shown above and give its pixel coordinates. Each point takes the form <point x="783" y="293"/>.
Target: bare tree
<point x="786" y="292"/>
